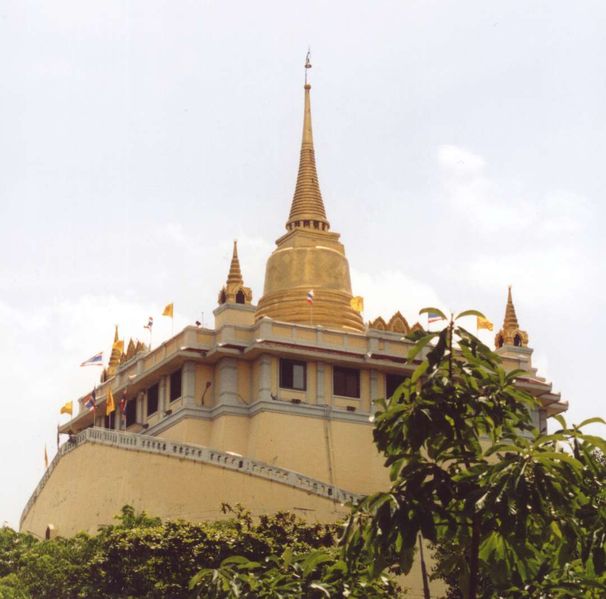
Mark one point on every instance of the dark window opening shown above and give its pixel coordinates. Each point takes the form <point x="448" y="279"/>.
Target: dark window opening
<point x="392" y="382"/>
<point x="175" y="385"/>
<point x="240" y="297"/>
<point x="346" y="382"/>
<point x="222" y="297"/>
<point x="131" y="412"/>
<point x="517" y="341"/>
<point x="500" y="341"/>
<point x="293" y="375"/>
<point x="152" y="399"/>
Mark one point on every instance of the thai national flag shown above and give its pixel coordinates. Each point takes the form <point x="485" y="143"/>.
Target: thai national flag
<point x="91" y="400"/>
<point x="310" y="296"/>
<point x="433" y="317"/>
<point x="96" y="360"/>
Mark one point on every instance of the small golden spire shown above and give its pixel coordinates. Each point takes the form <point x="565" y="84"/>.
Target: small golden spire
<point x="307" y="208"/>
<point x="235" y="274"/>
<point x="234" y="292"/>
<point x="510" y="333"/>
<point x="511" y="320"/>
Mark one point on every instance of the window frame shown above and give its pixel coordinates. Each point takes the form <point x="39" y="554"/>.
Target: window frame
<point x="342" y="370"/>
<point x="130" y="413"/>
<point x="155" y="386"/>
<point x="171" y="396"/>
<point x="284" y="362"/>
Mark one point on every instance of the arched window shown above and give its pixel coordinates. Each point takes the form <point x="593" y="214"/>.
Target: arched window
<point x="240" y="299"/>
<point x="222" y="297"/>
<point x="517" y="341"/>
<point x="500" y="341"/>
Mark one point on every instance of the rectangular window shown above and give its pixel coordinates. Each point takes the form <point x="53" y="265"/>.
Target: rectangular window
<point x="346" y="382"/>
<point x="293" y="375"/>
<point x="152" y="399"/>
<point x="175" y="385"/>
<point x="392" y="382"/>
<point x="131" y="411"/>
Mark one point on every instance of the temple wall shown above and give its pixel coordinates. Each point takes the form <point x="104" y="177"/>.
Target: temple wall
<point x="304" y="444"/>
<point x="89" y="486"/>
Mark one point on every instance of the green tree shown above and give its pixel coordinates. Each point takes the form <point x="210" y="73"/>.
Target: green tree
<point x="469" y="471"/>
<point x="141" y="556"/>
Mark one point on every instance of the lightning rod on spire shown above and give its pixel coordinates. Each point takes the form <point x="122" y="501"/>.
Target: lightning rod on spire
<point x="307" y="63"/>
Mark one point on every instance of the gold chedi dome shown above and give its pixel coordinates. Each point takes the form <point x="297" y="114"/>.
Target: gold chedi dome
<point x="309" y="257"/>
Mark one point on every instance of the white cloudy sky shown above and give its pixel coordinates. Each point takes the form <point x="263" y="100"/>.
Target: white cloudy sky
<point x="460" y="148"/>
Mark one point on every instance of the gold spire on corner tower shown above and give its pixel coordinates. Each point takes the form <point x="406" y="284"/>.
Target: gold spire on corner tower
<point x="510" y="333"/>
<point x="307" y="208"/>
<point x="511" y="320"/>
<point x="235" y="273"/>
<point x="234" y="292"/>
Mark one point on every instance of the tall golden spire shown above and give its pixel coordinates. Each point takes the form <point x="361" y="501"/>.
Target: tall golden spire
<point x="234" y="292"/>
<point x="235" y="274"/>
<point x="511" y="320"/>
<point x="510" y="333"/>
<point x="309" y="256"/>
<point x="307" y="208"/>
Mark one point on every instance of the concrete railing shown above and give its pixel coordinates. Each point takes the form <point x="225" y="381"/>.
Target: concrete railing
<point x="194" y="453"/>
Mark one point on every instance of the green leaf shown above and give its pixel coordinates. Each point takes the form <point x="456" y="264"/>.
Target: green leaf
<point x="595" y="420"/>
<point x="419" y="371"/>
<point x="469" y="313"/>
<point x="419" y="345"/>
<point x="555" y="529"/>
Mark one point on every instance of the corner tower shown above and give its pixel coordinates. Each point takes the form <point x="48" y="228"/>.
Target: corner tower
<point x="510" y="333"/>
<point x="309" y="257"/>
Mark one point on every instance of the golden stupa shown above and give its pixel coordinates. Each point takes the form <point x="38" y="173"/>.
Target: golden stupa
<point x="309" y="257"/>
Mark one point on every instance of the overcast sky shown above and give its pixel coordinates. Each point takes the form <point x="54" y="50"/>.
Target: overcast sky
<point x="460" y="148"/>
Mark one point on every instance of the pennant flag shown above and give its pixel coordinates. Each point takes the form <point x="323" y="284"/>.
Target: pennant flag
<point x="310" y="296"/>
<point x="96" y="360"/>
<point x="45" y="457"/>
<point x="433" y="317"/>
<point x="67" y="408"/>
<point x="110" y="406"/>
<point x="484" y="323"/>
<point x="357" y="303"/>
<point x="168" y="310"/>
<point x="150" y="323"/>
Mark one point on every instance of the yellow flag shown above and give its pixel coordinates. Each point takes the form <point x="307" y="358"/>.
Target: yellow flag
<point x="110" y="405"/>
<point x="67" y="408"/>
<point x="484" y="323"/>
<point x="357" y="303"/>
<point x="168" y="311"/>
